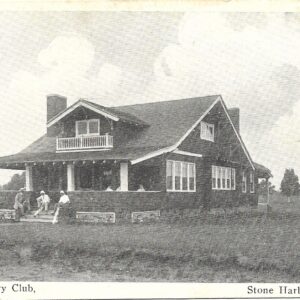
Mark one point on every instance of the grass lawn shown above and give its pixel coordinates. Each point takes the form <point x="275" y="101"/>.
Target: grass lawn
<point x="242" y="248"/>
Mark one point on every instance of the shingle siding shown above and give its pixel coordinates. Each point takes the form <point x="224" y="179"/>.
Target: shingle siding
<point x="225" y="151"/>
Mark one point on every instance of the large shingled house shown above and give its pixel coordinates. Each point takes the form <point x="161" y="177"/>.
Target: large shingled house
<point x="186" y="153"/>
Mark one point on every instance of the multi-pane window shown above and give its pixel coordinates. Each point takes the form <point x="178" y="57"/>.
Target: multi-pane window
<point x="184" y="177"/>
<point x="177" y="181"/>
<point x="170" y="175"/>
<point x="192" y="176"/>
<point x="87" y="127"/>
<point x="181" y="176"/>
<point x="233" y="179"/>
<point x="214" y="177"/>
<point x="219" y="176"/>
<point x="251" y="180"/>
<point x="207" y="131"/>
<point x="244" y="182"/>
<point x="228" y="178"/>
<point x="223" y="178"/>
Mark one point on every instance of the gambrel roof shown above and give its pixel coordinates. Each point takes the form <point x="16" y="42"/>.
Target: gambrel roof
<point x="162" y="127"/>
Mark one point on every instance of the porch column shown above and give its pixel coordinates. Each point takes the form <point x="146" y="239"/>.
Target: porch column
<point x="124" y="176"/>
<point x="49" y="177"/>
<point x="71" y="177"/>
<point x="60" y="177"/>
<point x="28" y="178"/>
<point x="93" y="177"/>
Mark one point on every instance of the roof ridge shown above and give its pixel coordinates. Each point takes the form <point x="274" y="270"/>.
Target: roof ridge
<point x="166" y="101"/>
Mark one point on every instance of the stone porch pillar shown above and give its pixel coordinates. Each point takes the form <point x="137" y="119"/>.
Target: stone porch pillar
<point x="71" y="177"/>
<point x="124" y="176"/>
<point x="28" y="178"/>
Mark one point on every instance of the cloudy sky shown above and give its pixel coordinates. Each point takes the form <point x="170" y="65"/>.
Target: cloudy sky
<point x="251" y="59"/>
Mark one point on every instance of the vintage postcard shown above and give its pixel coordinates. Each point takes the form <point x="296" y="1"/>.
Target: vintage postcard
<point x="149" y="149"/>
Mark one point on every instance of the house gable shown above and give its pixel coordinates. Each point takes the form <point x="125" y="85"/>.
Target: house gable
<point x="66" y="126"/>
<point x="227" y="143"/>
<point x="81" y="103"/>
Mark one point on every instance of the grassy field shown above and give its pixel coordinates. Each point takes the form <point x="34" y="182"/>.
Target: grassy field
<point x="241" y="248"/>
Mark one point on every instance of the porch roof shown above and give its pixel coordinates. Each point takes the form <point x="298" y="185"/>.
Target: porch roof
<point x="262" y="171"/>
<point x="10" y="161"/>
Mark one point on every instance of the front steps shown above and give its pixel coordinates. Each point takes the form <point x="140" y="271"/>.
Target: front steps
<point x="43" y="217"/>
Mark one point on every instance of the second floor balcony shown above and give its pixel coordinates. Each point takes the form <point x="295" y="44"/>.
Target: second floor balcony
<point x="84" y="142"/>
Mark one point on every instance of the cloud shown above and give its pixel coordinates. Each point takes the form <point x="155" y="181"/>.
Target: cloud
<point x="110" y="75"/>
<point x="254" y="66"/>
<point x="65" y="66"/>
<point x="21" y="119"/>
<point x="68" y="53"/>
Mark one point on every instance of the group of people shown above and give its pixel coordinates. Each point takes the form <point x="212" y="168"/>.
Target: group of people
<point x="43" y="201"/>
<point x="22" y="203"/>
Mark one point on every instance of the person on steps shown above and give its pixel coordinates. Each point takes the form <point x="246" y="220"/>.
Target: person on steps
<point x="63" y="202"/>
<point x="43" y="202"/>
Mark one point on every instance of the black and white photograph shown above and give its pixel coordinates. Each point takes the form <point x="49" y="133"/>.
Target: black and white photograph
<point x="150" y="146"/>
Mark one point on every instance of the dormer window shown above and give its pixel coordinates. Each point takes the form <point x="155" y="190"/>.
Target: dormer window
<point x="88" y="127"/>
<point x="207" y="131"/>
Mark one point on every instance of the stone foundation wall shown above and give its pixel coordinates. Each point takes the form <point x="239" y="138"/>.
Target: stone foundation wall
<point x="124" y="203"/>
<point x="171" y="205"/>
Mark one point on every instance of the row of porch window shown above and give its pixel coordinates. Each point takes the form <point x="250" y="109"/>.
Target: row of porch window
<point x="181" y="176"/>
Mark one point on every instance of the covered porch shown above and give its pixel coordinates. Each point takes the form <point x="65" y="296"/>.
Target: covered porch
<point x="90" y="175"/>
<point x="87" y="182"/>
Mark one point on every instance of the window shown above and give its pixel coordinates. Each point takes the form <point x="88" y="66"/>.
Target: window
<point x="88" y="127"/>
<point x="94" y="127"/>
<point x="180" y="176"/>
<point x="169" y="175"/>
<point x="214" y="177"/>
<point x="207" y="131"/>
<point x="233" y="179"/>
<point x="251" y="182"/>
<point x="81" y="128"/>
<point x="228" y="178"/>
<point x="184" y="177"/>
<point x="192" y="177"/>
<point x="177" y="172"/>
<point x="244" y="182"/>
<point x="223" y="178"/>
<point x="223" y="170"/>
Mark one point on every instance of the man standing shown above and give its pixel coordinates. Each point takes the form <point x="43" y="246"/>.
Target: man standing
<point x="43" y="202"/>
<point x="63" y="202"/>
<point x="18" y="206"/>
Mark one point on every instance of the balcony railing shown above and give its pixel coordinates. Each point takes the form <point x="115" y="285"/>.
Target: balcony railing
<point x="84" y="142"/>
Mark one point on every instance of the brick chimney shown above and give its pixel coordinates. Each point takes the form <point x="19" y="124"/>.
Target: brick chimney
<point x="234" y="114"/>
<point x="55" y="104"/>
